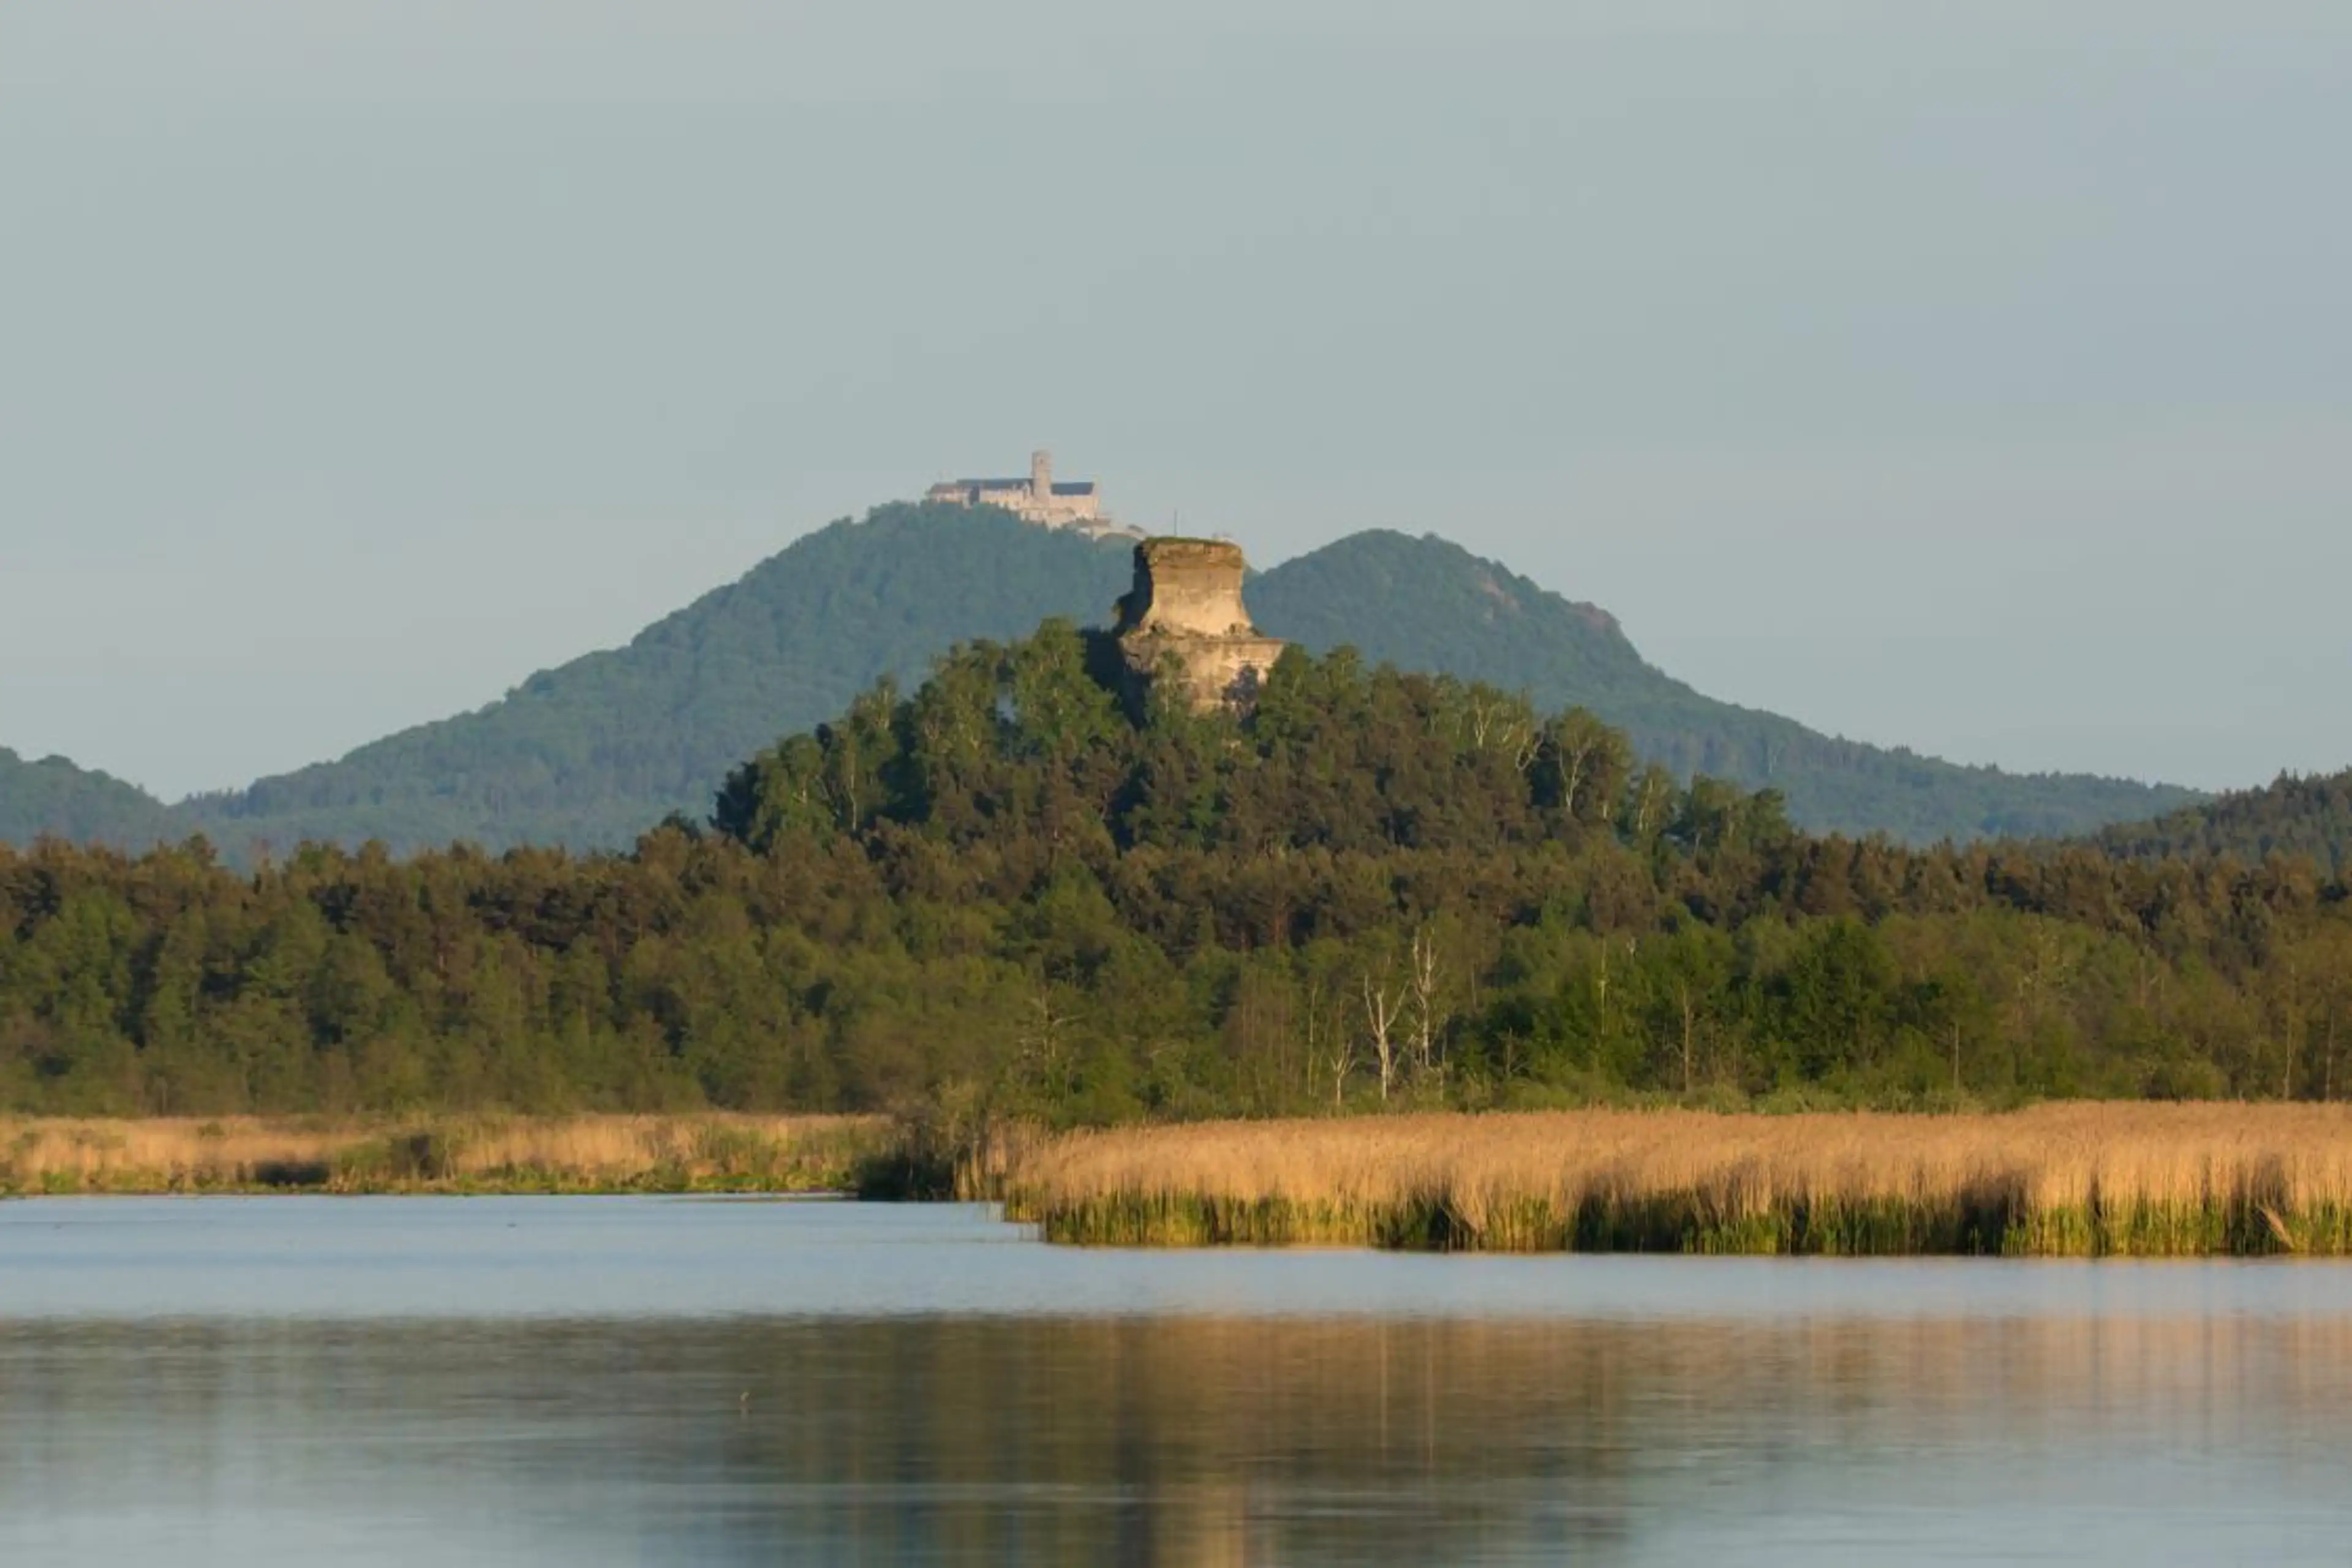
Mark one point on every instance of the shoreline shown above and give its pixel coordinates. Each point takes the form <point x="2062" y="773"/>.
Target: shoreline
<point x="2061" y="1180"/>
<point x="2067" y="1179"/>
<point x="713" y="1152"/>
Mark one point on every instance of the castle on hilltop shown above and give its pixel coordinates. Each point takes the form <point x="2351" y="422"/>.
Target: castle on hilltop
<point x="1039" y="499"/>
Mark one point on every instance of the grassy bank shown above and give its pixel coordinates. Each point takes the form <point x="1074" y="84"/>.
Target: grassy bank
<point x="465" y="1154"/>
<point x="2076" y="1179"/>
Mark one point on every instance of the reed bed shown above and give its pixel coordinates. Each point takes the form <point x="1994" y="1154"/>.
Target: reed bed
<point x="2068" y="1180"/>
<point x="710" y="1152"/>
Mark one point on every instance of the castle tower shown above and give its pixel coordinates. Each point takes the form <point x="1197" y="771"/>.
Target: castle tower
<point x="1037" y="498"/>
<point x="1187" y="602"/>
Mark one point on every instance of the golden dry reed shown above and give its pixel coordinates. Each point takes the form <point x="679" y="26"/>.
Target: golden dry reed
<point x="2076" y="1179"/>
<point x="580" y="1153"/>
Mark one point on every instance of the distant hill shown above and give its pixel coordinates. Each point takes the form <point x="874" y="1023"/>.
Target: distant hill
<point x="1426" y="603"/>
<point x="592" y="753"/>
<point x="596" y="752"/>
<point x="2296" y="816"/>
<point x="54" y="797"/>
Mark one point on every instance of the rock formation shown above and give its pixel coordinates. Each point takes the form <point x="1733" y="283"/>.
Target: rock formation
<point x="1187" y="604"/>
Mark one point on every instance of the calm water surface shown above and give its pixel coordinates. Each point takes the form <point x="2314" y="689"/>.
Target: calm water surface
<point x="613" y="1380"/>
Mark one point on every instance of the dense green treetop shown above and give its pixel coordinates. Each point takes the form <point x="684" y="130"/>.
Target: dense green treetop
<point x="2297" y="814"/>
<point x="1049" y="736"/>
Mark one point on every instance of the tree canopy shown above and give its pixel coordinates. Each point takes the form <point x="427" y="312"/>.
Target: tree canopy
<point x="53" y="796"/>
<point x="1426" y="603"/>
<point x="1018" y="889"/>
<point x="2306" y="815"/>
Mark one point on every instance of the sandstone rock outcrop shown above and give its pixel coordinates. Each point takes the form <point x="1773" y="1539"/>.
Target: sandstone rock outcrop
<point x="1187" y="603"/>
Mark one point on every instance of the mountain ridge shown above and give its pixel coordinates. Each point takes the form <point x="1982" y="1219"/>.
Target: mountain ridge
<point x="1831" y="783"/>
<point x="593" y="752"/>
<point x="598" y="749"/>
<point x="54" y="798"/>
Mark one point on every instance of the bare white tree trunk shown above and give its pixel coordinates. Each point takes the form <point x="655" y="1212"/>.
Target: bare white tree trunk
<point x="1689" y="1006"/>
<point x="1382" y="1010"/>
<point x="1424" y="998"/>
<point x="1340" y="1061"/>
<point x="1314" y="1012"/>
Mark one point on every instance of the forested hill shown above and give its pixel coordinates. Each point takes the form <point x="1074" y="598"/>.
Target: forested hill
<point x="1014" y="893"/>
<point x="593" y="753"/>
<point x="2296" y="816"/>
<point x="1426" y="603"/>
<point x="54" y="797"/>
<point x="590" y="754"/>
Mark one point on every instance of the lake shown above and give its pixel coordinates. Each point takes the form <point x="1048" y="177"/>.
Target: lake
<point x="625" y="1380"/>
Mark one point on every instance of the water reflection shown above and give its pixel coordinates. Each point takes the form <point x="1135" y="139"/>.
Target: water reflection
<point x="1173" y="1440"/>
<point x="599" y="1381"/>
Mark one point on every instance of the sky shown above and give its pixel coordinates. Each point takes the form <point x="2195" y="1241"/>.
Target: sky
<point x="1968" y="374"/>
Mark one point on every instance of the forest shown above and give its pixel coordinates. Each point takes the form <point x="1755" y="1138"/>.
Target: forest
<point x="1018" y="891"/>
<point x="52" y="797"/>
<point x="1429" y="604"/>
<point x="2296" y="816"/>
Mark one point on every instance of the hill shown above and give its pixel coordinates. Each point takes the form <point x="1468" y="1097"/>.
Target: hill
<point x="1426" y="603"/>
<point x="592" y="753"/>
<point x="54" y="797"/>
<point x="1020" y="894"/>
<point x="2296" y="816"/>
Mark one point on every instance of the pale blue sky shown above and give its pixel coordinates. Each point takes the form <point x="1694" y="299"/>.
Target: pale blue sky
<point x="1970" y="376"/>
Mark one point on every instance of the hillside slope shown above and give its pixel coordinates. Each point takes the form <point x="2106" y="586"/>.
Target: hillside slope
<point x="54" y="798"/>
<point x="2308" y="815"/>
<point x="593" y="753"/>
<point x="1426" y="603"/>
